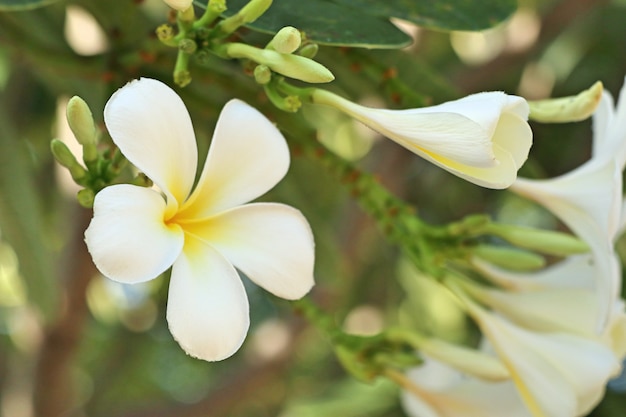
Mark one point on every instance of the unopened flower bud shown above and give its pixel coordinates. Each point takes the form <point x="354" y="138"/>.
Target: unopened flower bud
<point x="217" y="6"/>
<point x="262" y="74"/>
<point x="81" y="122"/>
<point x="86" y="197"/>
<point x="286" y="41"/>
<point x="545" y="241"/>
<point x="309" y="50"/>
<point x="567" y="109"/>
<point x="66" y="158"/>
<point x="466" y="359"/>
<point x="248" y="14"/>
<point x="165" y="33"/>
<point x="188" y="46"/>
<point x="510" y="258"/>
<point x="292" y="66"/>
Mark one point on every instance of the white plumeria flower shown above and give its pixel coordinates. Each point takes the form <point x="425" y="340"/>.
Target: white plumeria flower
<point x="138" y="233"/>
<point x="609" y="128"/>
<point x="440" y="391"/>
<point x="560" y="298"/>
<point x="557" y="374"/>
<point x="588" y="200"/>
<point x="483" y="138"/>
<point x="180" y="5"/>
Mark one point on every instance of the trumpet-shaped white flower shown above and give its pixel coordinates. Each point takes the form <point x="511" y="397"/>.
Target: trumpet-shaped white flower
<point x="437" y="390"/>
<point x="588" y="200"/>
<point x="609" y="128"/>
<point x="203" y="233"/>
<point x="556" y="373"/>
<point x="483" y="138"/>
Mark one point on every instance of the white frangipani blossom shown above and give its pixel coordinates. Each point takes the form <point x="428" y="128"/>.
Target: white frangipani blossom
<point x="556" y="373"/>
<point x="202" y="232"/>
<point x="483" y="138"/>
<point x="589" y="198"/>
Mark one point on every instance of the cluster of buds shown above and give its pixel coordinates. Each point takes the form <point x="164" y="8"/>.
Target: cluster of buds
<point x="101" y="168"/>
<point x="286" y="54"/>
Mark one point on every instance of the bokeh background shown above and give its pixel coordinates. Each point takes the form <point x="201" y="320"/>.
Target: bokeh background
<point x="75" y="344"/>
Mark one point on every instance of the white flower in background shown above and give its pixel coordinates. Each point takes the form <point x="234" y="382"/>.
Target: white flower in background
<point x="437" y="390"/>
<point x="589" y="199"/>
<point x="483" y="138"/>
<point x="138" y="233"/>
<point x="557" y="374"/>
<point x="180" y="5"/>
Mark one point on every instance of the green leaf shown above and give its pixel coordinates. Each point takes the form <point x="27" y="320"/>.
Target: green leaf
<point x="15" y="5"/>
<point x="327" y="23"/>
<point x="366" y="24"/>
<point x="470" y="15"/>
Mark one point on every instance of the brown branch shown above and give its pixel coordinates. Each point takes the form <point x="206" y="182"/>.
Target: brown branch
<point x="54" y="390"/>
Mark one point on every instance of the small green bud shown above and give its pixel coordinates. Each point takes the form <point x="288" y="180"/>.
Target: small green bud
<point x="217" y="6"/>
<point x="293" y="103"/>
<point x="81" y="122"/>
<point x="188" y="46"/>
<point x="248" y="14"/>
<point x="510" y="258"/>
<point x="262" y="74"/>
<point x="86" y="197"/>
<point x="66" y="158"/>
<point x="567" y="109"/>
<point x="293" y="66"/>
<point x="165" y="33"/>
<point x="309" y="50"/>
<point x="182" y="78"/>
<point x="286" y="41"/>
<point x="549" y="242"/>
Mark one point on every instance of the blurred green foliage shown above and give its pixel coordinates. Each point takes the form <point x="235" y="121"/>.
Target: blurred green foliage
<point x="110" y="353"/>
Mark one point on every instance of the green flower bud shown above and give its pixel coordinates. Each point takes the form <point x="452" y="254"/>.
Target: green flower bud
<point x="248" y="14"/>
<point x="509" y="258"/>
<point x="66" y="158"/>
<point x="217" y="6"/>
<point x="81" y="122"/>
<point x="567" y="109"/>
<point x="262" y="74"/>
<point x="188" y="46"/>
<point x="286" y="41"/>
<point x="309" y="50"/>
<point x="86" y="197"/>
<point x="165" y="33"/>
<point x="545" y="241"/>
<point x="293" y="66"/>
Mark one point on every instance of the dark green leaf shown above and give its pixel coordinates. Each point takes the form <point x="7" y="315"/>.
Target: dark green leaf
<point x="442" y="14"/>
<point x="15" y="5"/>
<point x="327" y="23"/>
<point x="365" y="23"/>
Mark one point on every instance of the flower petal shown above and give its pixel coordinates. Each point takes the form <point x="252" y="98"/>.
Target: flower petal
<point x="271" y="243"/>
<point x="577" y="271"/>
<point x="557" y="374"/>
<point x="248" y="156"/>
<point x="150" y="124"/>
<point x="444" y="392"/>
<point x="127" y="237"/>
<point x="207" y="308"/>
